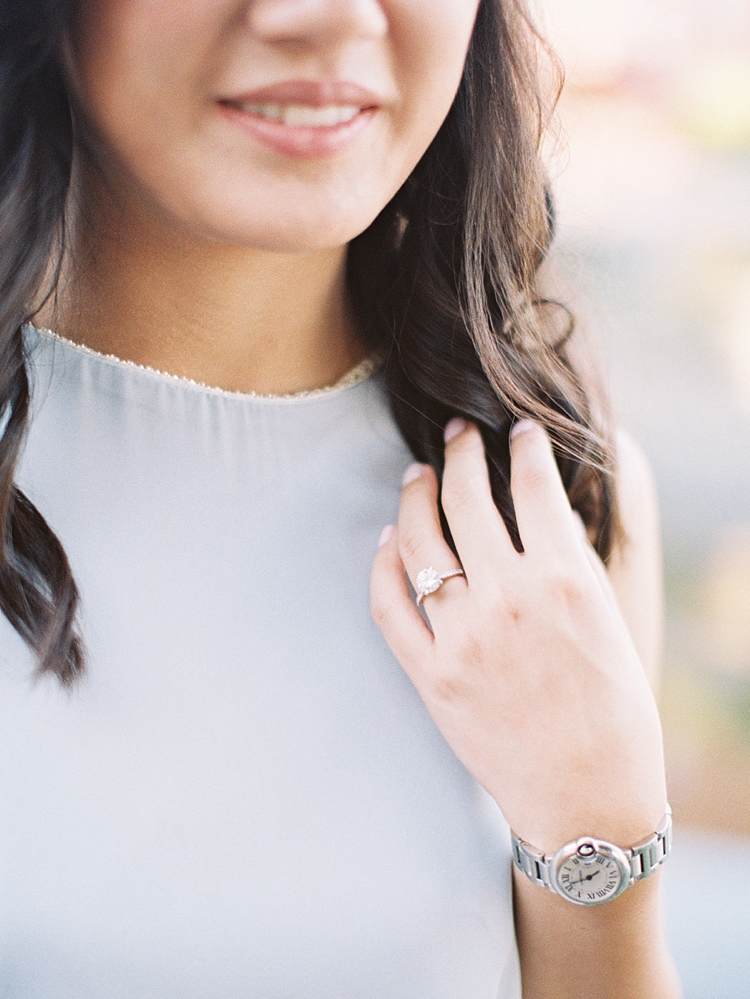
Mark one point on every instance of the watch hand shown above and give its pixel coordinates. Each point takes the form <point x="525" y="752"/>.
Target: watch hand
<point x="584" y="877"/>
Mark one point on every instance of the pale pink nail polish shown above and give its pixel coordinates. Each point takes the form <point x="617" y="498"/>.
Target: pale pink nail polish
<point x="386" y="535"/>
<point x="412" y="472"/>
<point x="454" y="427"/>
<point x="522" y="427"/>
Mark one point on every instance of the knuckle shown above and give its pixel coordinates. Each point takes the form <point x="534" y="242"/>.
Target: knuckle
<point x="449" y="685"/>
<point x="411" y="545"/>
<point x="379" y="611"/>
<point x="381" y="608"/>
<point x="503" y="597"/>
<point x="469" y="648"/>
<point x="566" y="588"/>
<point x="459" y="670"/>
<point x="514" y="610"/>
<point x="459" y="492"/>
<point x="531" y="476"/>
<point x="518" y="602"/>
<point x="446" y="689"/>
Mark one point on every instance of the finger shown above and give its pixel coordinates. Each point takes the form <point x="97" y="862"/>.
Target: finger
<point x="481" y="537"/>
<point x="421" y="542"/>
<point x="595" y="562"/>
<point x="543" y="513"/>
<point x="393" y="609"/>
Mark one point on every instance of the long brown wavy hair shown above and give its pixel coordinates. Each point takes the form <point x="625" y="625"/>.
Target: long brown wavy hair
<point x="444" y="285"/>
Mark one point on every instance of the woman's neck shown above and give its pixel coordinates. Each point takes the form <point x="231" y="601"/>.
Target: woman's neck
<point x="230" y="316"/>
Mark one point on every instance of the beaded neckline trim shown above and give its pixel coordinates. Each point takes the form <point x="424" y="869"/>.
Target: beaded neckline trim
<point x="361" y="372"/>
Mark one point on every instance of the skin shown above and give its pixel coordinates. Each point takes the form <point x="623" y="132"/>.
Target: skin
<point x="186" y="226"/>
<point x="533" y="678"/>
<point x="200" y="251"/>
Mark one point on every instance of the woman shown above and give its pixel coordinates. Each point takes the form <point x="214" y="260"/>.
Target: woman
<point x="222" y="782"/>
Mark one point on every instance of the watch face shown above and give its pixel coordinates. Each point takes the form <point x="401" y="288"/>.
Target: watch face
<point x="590" y="876"/>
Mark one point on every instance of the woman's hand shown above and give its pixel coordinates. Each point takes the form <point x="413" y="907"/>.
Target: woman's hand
<point x="527" y="667"/>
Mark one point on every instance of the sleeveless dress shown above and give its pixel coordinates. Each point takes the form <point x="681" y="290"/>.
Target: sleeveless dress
<point x="245" y="797"/>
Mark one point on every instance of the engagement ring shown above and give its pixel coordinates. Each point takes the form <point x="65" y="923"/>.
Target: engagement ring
<point x="429" y="580"/>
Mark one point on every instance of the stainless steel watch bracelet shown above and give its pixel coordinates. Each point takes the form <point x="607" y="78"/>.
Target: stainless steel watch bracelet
<point x="644" y="858"/>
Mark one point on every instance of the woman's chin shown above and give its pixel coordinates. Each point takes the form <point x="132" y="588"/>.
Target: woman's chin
<point x="291" y="227"/>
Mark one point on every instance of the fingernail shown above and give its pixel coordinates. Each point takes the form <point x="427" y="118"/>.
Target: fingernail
<point x="412" y="472"/>
<point x="454" y="427"/>
<point x="386" y="535"/>
<point x="522" y="427"/>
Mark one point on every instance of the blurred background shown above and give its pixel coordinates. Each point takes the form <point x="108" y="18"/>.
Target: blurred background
<point x="651" y="174"/>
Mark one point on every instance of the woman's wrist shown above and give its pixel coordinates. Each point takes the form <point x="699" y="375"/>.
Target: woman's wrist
<point x="625" y="829"/>
<point x="613" y="951"/>
<point x="589" y="871"/>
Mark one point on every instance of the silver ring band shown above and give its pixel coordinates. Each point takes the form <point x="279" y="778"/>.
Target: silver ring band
<point x="430" y="580"/>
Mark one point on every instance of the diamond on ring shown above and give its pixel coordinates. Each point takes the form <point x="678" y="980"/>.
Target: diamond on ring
<point x="429" y="580"/>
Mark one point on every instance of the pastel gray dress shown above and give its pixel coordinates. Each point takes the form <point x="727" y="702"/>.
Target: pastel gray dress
<point x="245" y="798"/>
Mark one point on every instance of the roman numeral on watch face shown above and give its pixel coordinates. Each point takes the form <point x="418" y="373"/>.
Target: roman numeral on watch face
<point x="590" y="871"/>
<point x="589" y="880"/>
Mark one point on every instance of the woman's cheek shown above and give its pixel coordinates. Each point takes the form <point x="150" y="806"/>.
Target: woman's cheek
<point x="430" y="42"/>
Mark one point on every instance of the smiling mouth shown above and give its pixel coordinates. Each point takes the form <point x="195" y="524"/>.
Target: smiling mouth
<point x="300" y="115"/>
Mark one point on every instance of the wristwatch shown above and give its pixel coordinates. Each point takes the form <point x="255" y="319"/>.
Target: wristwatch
<point x="590" y="871"/>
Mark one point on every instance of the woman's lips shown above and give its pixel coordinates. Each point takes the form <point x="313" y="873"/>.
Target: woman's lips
<point x="302" y="115"/>
<point x="303" y="118"/>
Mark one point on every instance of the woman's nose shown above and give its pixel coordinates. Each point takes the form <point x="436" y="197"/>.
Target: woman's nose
<point x="316" y="21"/>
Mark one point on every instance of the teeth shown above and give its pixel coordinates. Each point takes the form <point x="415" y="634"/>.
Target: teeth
<point x="303" y="116"/>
